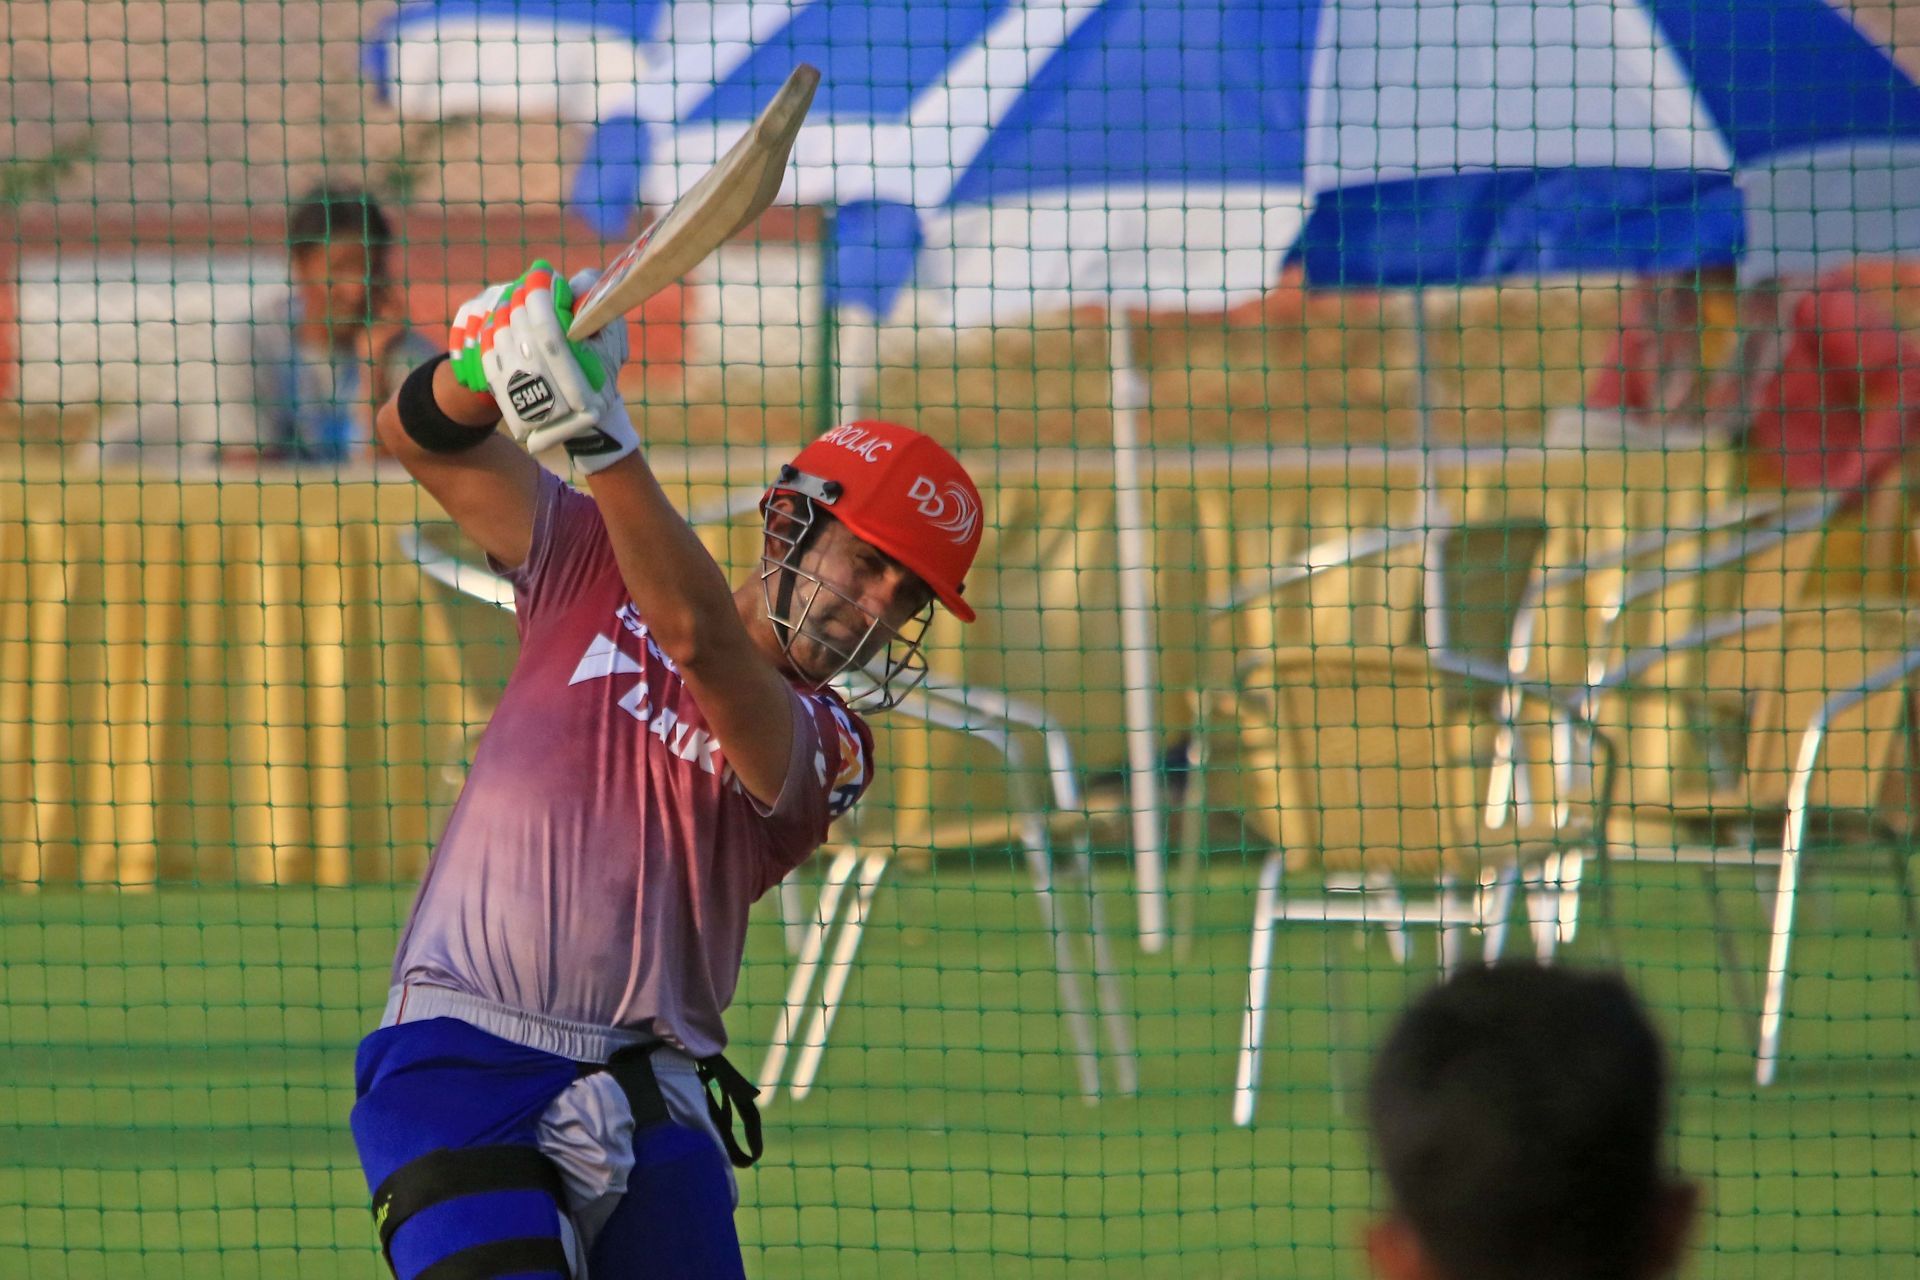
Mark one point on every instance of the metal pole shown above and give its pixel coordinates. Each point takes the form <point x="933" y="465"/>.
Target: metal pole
<point x="1134" y="533"/>
<point x="827" y="415"/>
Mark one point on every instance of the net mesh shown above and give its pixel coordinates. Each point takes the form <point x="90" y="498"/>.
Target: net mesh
<point x="1268" y="544"/>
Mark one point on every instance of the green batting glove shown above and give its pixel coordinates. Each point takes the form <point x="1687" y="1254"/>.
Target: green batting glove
<point x="472" y="334"/>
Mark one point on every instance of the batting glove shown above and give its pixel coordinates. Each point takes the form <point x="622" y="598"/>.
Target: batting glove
<point x="511" y="341"/>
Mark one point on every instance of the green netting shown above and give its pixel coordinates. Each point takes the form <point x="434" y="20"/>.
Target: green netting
<point x="1292" y="594"/>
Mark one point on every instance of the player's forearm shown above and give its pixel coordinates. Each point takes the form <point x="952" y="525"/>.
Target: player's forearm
<point x="675" y="584"/>
<point x="489" y="486"/>
<point x="465" y="407"/>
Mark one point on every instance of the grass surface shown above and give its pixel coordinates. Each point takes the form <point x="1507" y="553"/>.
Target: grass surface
<point x="178" y="1073"/>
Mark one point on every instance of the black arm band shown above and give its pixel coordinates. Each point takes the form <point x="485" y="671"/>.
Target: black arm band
<point x="425" y="422"/>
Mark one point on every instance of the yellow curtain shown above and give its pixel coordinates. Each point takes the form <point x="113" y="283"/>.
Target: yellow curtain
<point x="231" y="682"/>
<point x="250" y="682"/>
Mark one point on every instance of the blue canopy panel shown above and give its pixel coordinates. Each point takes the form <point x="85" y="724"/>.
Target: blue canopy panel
<point x="1202" y="94"/>
<point x="1815" y="139"/>
<point x="1458" y="228"/>
<point x="606" y="188"/>
<point x="1787" y="75"/>
<point x="1165" y="92"/>
<point x="871" y="255"/>
<point x="1823" y="128"/>
<point x="874" y="57"/>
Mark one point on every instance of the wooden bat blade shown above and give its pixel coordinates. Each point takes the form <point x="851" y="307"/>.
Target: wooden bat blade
<point x="726" y="199"/>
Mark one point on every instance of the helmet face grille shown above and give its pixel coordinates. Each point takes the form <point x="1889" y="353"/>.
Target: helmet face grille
<point x="901" y="491"/>
<point x="881" y="666"/>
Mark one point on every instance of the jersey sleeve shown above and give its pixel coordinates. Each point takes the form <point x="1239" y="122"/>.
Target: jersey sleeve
<point x="831" y="768"/>
<point x="569" y="551"/>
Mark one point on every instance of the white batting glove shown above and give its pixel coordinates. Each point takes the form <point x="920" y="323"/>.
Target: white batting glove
<point x="463" y="339"/>
<point x="512" y="340"/>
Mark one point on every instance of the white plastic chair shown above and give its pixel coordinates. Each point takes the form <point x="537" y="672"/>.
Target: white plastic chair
<point x="841" y="917"/>
<point x="1887" y="664"/>
<point x="1360" y="769"/>
<point x="1722" y="539"/>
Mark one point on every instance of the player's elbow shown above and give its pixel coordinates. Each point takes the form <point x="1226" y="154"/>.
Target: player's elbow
<point x="699" y="641"/>
<point x="387" y="429"/>
<point x="686" y="643"/>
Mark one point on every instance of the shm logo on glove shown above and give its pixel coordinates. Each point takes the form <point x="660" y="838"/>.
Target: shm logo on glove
<point x="530" y="395"/>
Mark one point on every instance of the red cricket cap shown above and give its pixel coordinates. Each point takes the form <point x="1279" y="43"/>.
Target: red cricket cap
<point x="900" y="491"/>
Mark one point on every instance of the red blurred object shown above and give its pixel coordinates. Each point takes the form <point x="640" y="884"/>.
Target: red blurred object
<point x="1650" y="351"/>
<point x="1675" y="336"/>
<point x="1841" y="404"/>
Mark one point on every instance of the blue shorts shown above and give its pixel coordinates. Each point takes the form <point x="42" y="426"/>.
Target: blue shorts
<point x="656" y="1201"/>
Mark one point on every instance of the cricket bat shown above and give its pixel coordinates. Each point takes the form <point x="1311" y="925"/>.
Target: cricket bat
<point x="728" y="196"/>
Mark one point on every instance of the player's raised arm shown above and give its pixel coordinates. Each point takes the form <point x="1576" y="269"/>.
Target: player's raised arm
<point x="555" y="392"/>
<point x="672" y="579"/>
<point x="442" y="431"/>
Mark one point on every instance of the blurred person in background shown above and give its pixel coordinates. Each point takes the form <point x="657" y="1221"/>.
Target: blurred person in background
<point x="1676" y="333"/>
<point x="1827" y="390"/>
<point x="1825" y="396"/>
<point x="239" y="372"/>
<point x="318" y="362"/>
<point x="1518" y="1115"/>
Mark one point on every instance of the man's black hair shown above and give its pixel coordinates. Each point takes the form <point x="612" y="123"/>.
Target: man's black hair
<point x="329" y="215"/>
<point x="1517" y="1114"/>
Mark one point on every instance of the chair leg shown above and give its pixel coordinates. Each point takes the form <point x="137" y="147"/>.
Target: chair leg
<point x="1456" y="917"/>
<point x="793" y="915"/>
<point x="1384" y="903"/>
<point x="1346" y="1030"/>
<point x="1572" y="867"/>
<point x="1106" y="978"/>
<point x="1075" y="1005"/>
<point x="1246" y="1085"/>
<point x="1497" y="901"/>
<point x="806" y="967"/>
<point x="806" y="1066"/>
<point x="1773" y="1007"/>
<point x="1903" y="877"/>
<point x="1731" y="961"/>
<point x="1193" y="834"/>
<point x="1543" y="908"/>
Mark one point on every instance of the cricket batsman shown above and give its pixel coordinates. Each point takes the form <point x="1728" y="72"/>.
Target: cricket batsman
<point x="539" y="1099"/>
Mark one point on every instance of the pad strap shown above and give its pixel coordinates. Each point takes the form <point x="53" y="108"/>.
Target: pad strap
<point x="632" y="1070"/>
<point x="734" y="1092"/>
<point x="522" y="1256"/>
<point x="454" y="1172"/>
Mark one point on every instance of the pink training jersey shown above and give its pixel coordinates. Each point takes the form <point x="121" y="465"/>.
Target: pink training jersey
<point x="600" y="863"/>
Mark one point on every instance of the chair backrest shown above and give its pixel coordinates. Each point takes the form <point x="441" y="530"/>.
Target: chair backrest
<point x="1361" y="586"/>
<point x="1577" y="622"/>
<point x="1353" y="761"/>
<point x="1708" y="689"/>
<point x="1820" y="653"/>
<point x="1477" y="575"/>
<point x="1744" y="570"/>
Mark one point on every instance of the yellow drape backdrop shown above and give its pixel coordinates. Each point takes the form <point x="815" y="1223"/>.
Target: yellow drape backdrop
<point x="218" y="682"/>
<point x="249" y="681"/>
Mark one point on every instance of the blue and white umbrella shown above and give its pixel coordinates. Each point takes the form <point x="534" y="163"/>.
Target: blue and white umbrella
<point x="1024" y="154"/>
<point x="1458" y="140"/>
<point x="575" y="61"/>
<point x="1010" y="156"/>
<point x="1133" y="151"/>
<point x="1006" y="156"/>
